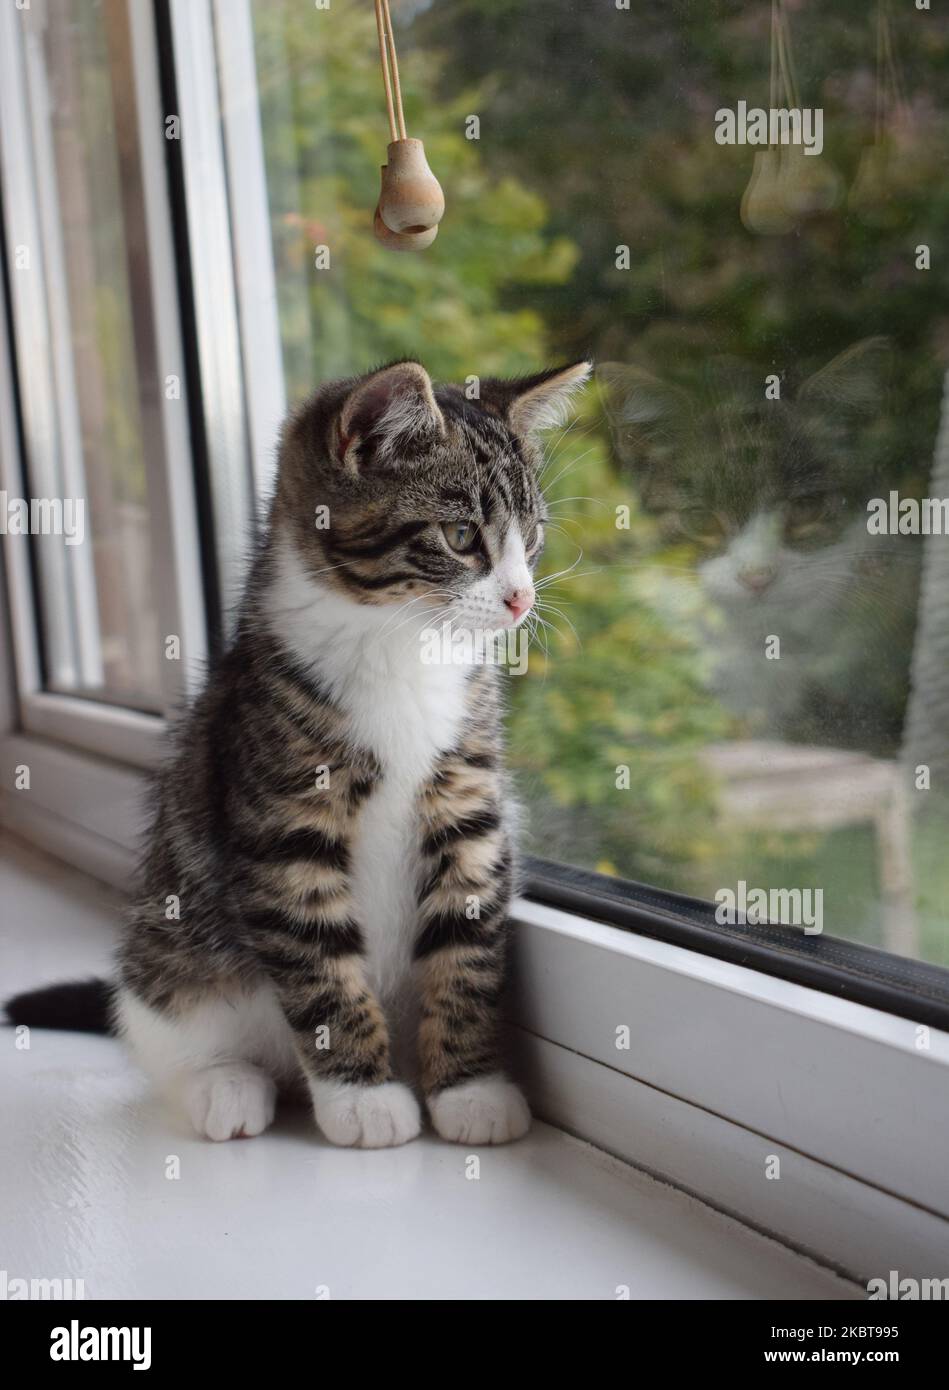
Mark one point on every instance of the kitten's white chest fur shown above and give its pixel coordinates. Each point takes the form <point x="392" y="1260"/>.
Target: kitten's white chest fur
<point x="401" y="709"/>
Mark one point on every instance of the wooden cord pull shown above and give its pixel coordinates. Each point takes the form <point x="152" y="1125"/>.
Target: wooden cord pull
<point x="412" y="240"/>
<point x="411" y="199"/>
<point x="411" y="203"/>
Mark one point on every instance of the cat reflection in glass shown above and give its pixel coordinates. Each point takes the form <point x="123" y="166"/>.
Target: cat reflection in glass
<point x="769" y="486"/>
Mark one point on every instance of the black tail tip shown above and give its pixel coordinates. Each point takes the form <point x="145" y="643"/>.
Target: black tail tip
<point x="81" y="1006"/>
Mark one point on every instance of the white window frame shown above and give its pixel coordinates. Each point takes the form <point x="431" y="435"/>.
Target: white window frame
<point x="235" y="292"/>
<point x="727" y="1068"/>
<point x="50" y="428"/>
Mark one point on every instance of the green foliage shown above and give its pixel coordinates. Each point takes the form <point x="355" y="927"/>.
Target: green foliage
<point x="608" y="686"/>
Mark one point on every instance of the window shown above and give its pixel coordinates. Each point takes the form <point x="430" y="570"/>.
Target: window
<point x="102" y="391"/>
<point x="736" y="691"/>
<point x="736" y="686"/>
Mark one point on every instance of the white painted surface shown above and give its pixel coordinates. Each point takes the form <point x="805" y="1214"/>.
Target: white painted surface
<point x="285" y="1214"/>
<point x="814" y="1004"/>
<point x="255" y="281"/>
<point x="851" y="1225"/>
<point x="847" y="1085"/>
<point x="83" y="809"/>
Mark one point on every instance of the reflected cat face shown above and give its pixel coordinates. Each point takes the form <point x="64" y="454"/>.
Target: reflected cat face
<point x="770" y="492"/>
<point x="768" y="499"/>
<point x="784" y="556"/>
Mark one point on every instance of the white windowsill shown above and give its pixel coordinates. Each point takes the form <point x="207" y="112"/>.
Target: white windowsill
<point x="285" y="1214"/>
<point x="726" y="1069"/>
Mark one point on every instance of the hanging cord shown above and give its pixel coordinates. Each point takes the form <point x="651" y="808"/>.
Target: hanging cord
<point x="786" y="57"/>
<point x="390" y="70"/>
<point x="773" y="81"/>
<point x="895" y="99"/>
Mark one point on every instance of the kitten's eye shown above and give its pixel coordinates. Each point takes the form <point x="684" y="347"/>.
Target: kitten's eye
<point x="461" y="536"/>
<point x="537" y="541"/>
<point x="700" y="525"/>
<point x="806" y="519"/>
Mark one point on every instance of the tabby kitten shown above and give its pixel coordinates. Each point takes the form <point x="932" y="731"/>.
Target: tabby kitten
<point x="332" y="856"/>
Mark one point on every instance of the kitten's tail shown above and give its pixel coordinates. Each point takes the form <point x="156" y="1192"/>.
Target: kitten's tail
<point x="81" y="1006"/>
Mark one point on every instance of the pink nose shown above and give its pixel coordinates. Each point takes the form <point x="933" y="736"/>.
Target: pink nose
<point x="519" y="600"/>
<point x="757" y="580"/>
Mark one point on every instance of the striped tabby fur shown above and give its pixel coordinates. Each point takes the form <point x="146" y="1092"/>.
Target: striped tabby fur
<point x="332" y="856"/>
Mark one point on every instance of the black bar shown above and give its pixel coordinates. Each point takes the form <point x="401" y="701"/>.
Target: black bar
<point x="277" y="1339"/>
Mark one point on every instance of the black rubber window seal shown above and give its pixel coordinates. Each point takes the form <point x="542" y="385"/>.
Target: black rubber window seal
<point x="910" y="989"/>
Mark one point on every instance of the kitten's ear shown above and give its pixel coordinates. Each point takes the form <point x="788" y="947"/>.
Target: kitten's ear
<point x="650" y="420"/>
<point x="855" y="380"/>
<point x="536" y="402"/>
<point x="390" y="411"/>
<point x="635" y="397"/>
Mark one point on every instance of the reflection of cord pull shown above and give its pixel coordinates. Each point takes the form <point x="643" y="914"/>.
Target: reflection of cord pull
<point x="411" y="203"/>
<point x="883" y="165"/>
<point x="787" y="183"/>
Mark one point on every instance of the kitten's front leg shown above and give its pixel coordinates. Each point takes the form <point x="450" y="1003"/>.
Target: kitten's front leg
<point x="340" y="1034"/>
<point x="460" y="954"/>
<point x="469" y="1098"/>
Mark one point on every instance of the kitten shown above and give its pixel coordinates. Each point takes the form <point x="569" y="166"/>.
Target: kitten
<point x="332" y="857"/>
<point x="772" y="496"/>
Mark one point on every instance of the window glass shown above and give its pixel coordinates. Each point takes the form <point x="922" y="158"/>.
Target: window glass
<point x="741" y="681"/>
<point x="98" y="613"/>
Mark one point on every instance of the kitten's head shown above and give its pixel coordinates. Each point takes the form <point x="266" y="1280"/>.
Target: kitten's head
<point x="770" y="490"/>
<point x="396" y="491"/>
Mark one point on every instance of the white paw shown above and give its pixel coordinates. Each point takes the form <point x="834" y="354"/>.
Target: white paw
<point x="490" y="1110"/>
<point x="230" y="1101"/>
<point x="369" y="1117"/>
